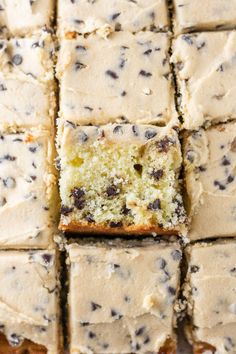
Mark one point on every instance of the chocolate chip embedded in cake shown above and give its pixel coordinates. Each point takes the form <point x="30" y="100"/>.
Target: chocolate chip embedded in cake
<point x="215" y="15"/>
<point x="122" y="315"/>
<point x="210" y="291"/>
<point x="27" y="97"/>
<point x="133" y="84"/>
<point x="210" y="165"/>
<point x="205" y="66"/>
<point x="88" y="16"/>
<point x="28" y="196"/>
<point x="120" y="179"/>
<point x="29" y="312"/>
<point x="23" y="17"/>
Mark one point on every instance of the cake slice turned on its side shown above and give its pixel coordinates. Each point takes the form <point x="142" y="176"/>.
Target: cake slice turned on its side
<point x="120" y="179"/>
<point x="115" y="312"/>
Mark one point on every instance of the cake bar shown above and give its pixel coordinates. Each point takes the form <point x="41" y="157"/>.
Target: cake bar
<point x="210" y="290"/>
<point x="206" y="67"/>
<point x="115" y="312"/>
<point x="29" y="312"/>
<point x="198" y="15"/>
<point x="28" y="196"/>
<point x="125" y="78"/>
<point x="82" y="16"/>
<point x="23" y="17"/>
<point x="210" y="167"/>
<point x="27" y="97"/>
<point x="120" y="179"/>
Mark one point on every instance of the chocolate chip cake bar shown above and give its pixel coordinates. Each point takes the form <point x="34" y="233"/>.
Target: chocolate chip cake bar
<point x="82" y="16"/>
<point x="120" y="179"/>
<point x="28" y="196"/>
<point x="29" y="307"/>
<point x="210" y="290"/>
<point x="23" y="17"/>
<point x="206" y="67"/>
<point x="119" y="314"/>
<point x="27" y="92"/>
<point x="125" y="78"/>
<point x="210" y="167"/>
<point x="198" y="15"/>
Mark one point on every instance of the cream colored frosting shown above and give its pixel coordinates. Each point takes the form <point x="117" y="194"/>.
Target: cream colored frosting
<point x="28" y="198"/>
<point x="132" y="309"/>
<point x="211" y="294"/>
<point x="125" y="78"/>
<point x="29" y="298"/>
<point x="205" y="64"/>
<point x="210" y="165"/>
<point x="214" y="14"/>
<point x="23" y="17"/>
<point x="84" y="16"/>
<point x="26" y="82"/>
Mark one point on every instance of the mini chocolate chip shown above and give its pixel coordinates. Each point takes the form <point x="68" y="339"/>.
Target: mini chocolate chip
<point x="112" y="74"/>
<point x="176" y="255"/>
<point x="162" y="263"/>
<point x="140" y="331"/>
<point x="79" y="66"/>
<point x="149" y="134"/>
<point x="233" y="270"/>
<point x="148" y="52"/>
<point x="9" y="182"/>
<point x="105" y="345"/>
<point x="125" y="210"/>
<point x="115" y="16"/>
<point x="3" y="201"/>
<point x="225" y="161"/>
<point x="91" y="335"/>
<point x="116" y="224"/>
<point x="9" y="158"/>
<point x="47" y="258"/>
<point x="135" y="130"/>
<point x="77" y="193"/>
<point x="138" y="168"/>
<point x="145" y="73"/>
<point x="84" y="324"/>
<point x="157" y="174"/>
<point x="65" y="210"/>
<point x="155" y="205"/>
<point x="80" y="48"/>
<point x="15" y="340"/>
<point x="118" y="130"/>
<point x="187" y="39"/>
<point x="230" y="179"/>
<point x="17" y="59"/>
<point x="146" y="340"/>
<point x="95" y="306"/>
<point x="163" y="145"/>
<point x="79" y="203"/>
<point x="3" y="87"/>
<point x="123" y="93"/>
<point x="171" y="290"/>
<point x="33" y="149"/>
<point x="88" y="108"/>
<point x="194" y="269"/>
<point x="202" y="168"/>
<point x="83" y="137"/>
<point x="112" y="191"/>
<point x="137" y="346"/>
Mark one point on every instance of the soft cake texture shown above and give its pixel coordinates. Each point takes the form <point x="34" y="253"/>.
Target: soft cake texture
<point x="196" y="15"/>
<point x="28" y="196"/>
<point x="84" y="16"/>
<point x="206" y="67"/>
<point x="29" y="293"/>
<point x="210" y="289"/>
<point x="27" y="91"/>
<point x="122" y="315"/>
<point x="125" y="78"/>
<point x="210" y="167"/>
<point x="23" y="17"/>
<point x="120" y="178"/>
